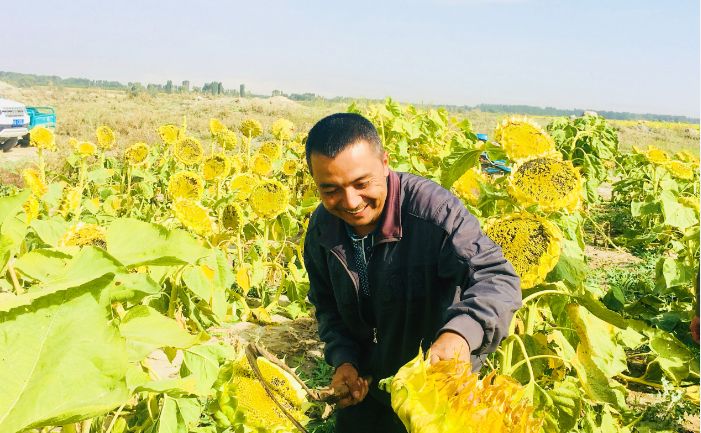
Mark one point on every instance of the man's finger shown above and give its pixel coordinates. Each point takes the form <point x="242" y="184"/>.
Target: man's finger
<point x="434" y="358"/>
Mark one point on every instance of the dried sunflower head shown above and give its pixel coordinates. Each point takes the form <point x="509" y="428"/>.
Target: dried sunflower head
<point x="282" y="129"/>
<point x="227" y="139"/>
<point x="468" y="186"/>
<point x="232" y="217"/>
<point x="522" y="138"/>
<point x="447" y="397"/>
<point x="529" y="242"/>
<point x="261" y="164"/>
<point x="42" y="138"/>
<point x="31" y="208"/>
<point x="237" y="163"/>
<point x="83" y="234"/>
<point x="85" y="149"/>
<point x="251" y="128"/>
<point x="271" y="149"/>
<point x="193" y="216"/>
<point x="105" y="137"/>
<point x="188" y="151"/>
<point x="32" y="180"/>
<point x="137" y="153"/>
<point x="243" y="185"/>
<point x="290" y="167"/>
<point x="269" y="198"/>
<point x="186" y="184"/>
<point x="216" y="167"/>
<point x="680" y="170"/>
<point x="246" y="404"/>
<point x="216" y="127"/>
<point x="551" y="183"/>
<point x="170" y="134"/>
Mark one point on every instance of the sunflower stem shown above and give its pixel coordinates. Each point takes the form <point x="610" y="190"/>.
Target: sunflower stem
<point x="523" y="361"/>
<point x="42" y="165"/>
<point x="525" y="357"/>
<point x="531" y="318"/>
<point x="601" y="231"/>
<point x="543" y="292"/>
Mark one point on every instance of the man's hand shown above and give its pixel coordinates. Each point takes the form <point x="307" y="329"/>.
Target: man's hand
<point x="348" y="385"/>
<point x="449" y="345"/>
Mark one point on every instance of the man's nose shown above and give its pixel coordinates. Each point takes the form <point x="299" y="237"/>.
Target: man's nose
<point x="351" y="199"/>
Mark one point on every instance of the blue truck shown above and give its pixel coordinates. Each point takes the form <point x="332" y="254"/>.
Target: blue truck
<point x="16" y="121"/>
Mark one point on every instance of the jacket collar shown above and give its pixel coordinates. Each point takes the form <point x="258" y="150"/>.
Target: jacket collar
<point x="333" y="232"/>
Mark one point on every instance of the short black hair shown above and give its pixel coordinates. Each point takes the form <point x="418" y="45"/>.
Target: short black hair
<point x="334" y="133"/>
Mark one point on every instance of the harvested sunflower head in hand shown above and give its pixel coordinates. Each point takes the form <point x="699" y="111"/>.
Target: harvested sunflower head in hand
<point x="447" y="397"/>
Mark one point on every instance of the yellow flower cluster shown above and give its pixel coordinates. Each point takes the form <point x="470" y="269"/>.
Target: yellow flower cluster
<point x="282" y="129"/>
<point x="105" y="137"/>
<point x="216" y="127"/>
<point x="245" y="402"/>
<point x="188" y="151"/>
<point x="32" y="180"/>
<point x="251" y="128"/>
<point x="271" y="149"/>
<point x="243" y="185"/>
<point x="83" y="234"/>
<point x="193" y="216"/>
<point x="70" y="202"/>
<point x="42" y="138"/>
<point x="680" y="170"/>
<point x="468" y="186"/>
<point x="290" y="167"/>
<point x="522" y="138"/>
<point x="447" y="397"/>
<point x="531" y="243"/>
<point x="186" y="184"/>
<point x="551" y="183"/>
<point x="170" y="134"/>
<point x="137" y="153"/>
<point x="261" y="165"/>
<point x="216" y="167"/>
<point x="85" y="149"/>
<point x="269" y="198"/>
<point x="31" y="208"/>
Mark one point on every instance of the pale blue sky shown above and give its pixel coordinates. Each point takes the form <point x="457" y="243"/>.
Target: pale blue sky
<point x="623" y="55"/>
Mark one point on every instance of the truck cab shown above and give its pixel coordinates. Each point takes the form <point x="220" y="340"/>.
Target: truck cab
<point x="14" y="123"/>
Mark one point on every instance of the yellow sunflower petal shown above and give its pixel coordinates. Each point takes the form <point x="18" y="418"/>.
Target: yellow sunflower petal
<point x="105" y="137"/>
<point x="42" y="138"/>
<point x="468" y="186"/>
<point x="261" y="165"/>
<point x="83" y="234"/>
<point x="32" y="180"/>
<point x="170" y="134"/>
<point x="193" y="216"/>
<point x="243" y="185"/>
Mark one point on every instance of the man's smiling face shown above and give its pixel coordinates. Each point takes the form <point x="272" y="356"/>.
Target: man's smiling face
<point x="353" y="185"/>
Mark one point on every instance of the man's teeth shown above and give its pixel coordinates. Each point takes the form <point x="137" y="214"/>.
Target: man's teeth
<point x="358" y="211"/>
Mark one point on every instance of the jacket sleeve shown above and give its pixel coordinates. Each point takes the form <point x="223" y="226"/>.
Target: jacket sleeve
<point x="490" y="290"/>
<point x="339" y="346"/>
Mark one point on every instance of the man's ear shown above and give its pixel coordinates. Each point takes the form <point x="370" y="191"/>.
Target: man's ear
<point x="385" y="163"/>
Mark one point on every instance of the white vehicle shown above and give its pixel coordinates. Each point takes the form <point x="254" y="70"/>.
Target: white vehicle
<point x="14" y="123"/>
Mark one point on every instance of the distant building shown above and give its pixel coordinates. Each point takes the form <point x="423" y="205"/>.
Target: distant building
<point x="186" y="86"/>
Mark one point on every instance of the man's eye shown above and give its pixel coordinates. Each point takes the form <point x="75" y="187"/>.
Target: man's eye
<point x="362" y="185"/>
<point x="328" y="192"/>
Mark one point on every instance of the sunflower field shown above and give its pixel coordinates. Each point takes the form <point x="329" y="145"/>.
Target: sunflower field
<point x="125" y="249"/>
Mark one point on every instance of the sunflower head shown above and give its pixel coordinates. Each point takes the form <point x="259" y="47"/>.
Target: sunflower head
<point x="448" y="397"/>
<point x="271" y="149"/>
<point x="227" y="139"/>
<point x="42" y="138"/>
<point x="193" y="216"/>
<point x="680" y="170"/>
<point x="70" y="201"/>
<point x="105" y="137"/>
<point x="170" y="134"/>
<point x="237" y="163"/>
<point x="686" y="156"/>
<point x="251" y="128"/>
<point x="32" y="180"/>
<point x="269" y="198"/>
<point x="469" y="186"/>
<point x="83" y="234"/>
<point x="243" y="185"/>
<point x="531" y="243"/>
<point x="290" y="167"/>
<point x="137" y="153"/>
<point x="216" y="167"/>
<point x="261" y="165"/>
<point x="31" y="208"/>
<point x="232" y="217"/>
<point x="653" y="154"/>
<point x="282" y="129"/>
<point x="186" y="184"/>
<point x="216" y="127"/>
<point x="188" y="151"/>
<point x="522" y="138"/>
<point x="85" y="149"/>
<point x="551" y="183"/>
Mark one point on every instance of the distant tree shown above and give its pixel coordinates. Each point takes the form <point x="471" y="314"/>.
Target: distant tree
<point x="169" y="86"/>
<point x="242" y="90"/>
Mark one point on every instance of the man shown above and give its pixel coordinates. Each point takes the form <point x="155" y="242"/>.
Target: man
<point x="395" y="262"/>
